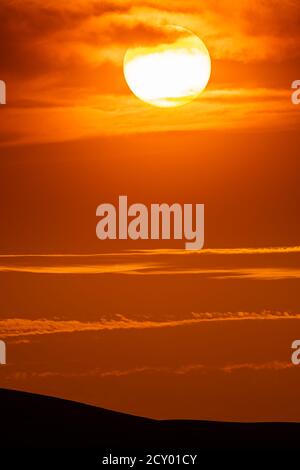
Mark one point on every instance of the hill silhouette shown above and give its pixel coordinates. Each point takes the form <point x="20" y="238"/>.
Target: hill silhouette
<point x="36" y="421"/>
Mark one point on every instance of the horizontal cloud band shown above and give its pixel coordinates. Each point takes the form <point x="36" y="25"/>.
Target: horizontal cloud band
<point x="18" y="327"/>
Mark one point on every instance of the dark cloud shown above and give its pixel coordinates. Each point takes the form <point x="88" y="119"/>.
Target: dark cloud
<point x="133" y="33"/>
<point x="29" y="33"/>
<point x="272" y="18"/>
<point x="39" y="39"/>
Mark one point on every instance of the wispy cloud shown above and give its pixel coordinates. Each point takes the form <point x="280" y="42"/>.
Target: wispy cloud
<point x="92" y="115"/>
<point x="183" y="370"/>
<point x="18" y="327"/>
<point x="272" y="365"/>
<point x="213" y="251"/>
<point x="269" y="263"/>
<point x="225" y="251"/>
<point x="266" y="274"/>
<point x="118" y="268"/>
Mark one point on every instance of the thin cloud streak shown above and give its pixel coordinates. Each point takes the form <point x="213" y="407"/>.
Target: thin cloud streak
<point x="179" y="371"/>
<point x="272" y="365"/>
<point x="226" y="251"/>
<point x="266" y="274"/>
<point x="161" y="263"/>
<point x="148" y="269"/>
<point x="213" y="251"/>
<point x="129" y="268"/>
<point x="18" y="327"/>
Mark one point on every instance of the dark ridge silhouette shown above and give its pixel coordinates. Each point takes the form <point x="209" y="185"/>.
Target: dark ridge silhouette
<point x="29" y="421"/>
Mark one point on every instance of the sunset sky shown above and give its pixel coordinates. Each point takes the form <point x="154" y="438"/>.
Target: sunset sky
<point x="144" y="326"/>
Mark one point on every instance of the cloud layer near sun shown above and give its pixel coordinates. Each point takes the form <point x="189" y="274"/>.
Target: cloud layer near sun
<point x="57" y="36"/>
<point x="63" y="65"/>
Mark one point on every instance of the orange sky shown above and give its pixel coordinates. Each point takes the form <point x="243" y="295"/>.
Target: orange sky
<point x="151" y="331"/>
<point x="63" y="63"/>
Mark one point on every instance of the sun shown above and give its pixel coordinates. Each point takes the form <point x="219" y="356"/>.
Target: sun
<point x="169" y="73"/>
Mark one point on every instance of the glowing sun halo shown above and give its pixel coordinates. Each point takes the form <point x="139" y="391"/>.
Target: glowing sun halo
<point x="171" y="73"/>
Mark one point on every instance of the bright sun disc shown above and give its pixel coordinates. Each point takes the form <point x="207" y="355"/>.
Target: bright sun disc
<point x="171" y="73"/>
